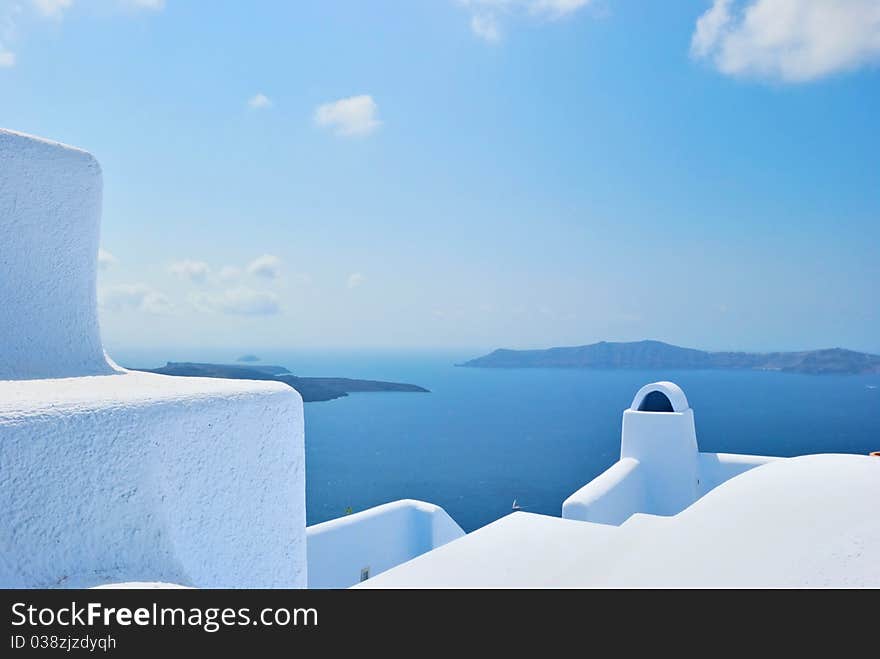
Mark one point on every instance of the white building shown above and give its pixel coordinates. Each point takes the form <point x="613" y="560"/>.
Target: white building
<point x="109" y="476"/>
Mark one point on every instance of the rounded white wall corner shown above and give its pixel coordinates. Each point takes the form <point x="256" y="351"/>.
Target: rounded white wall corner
<point x="50" y="216"/>
<point x="672" y="391"/>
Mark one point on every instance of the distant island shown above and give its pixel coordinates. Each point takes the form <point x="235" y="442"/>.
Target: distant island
<point x="311" y="389"/>
<point x="656" y="355"/>
<point x="248" y="358"/>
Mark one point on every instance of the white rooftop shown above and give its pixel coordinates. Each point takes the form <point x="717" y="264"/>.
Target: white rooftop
<point x="808" y="521"/>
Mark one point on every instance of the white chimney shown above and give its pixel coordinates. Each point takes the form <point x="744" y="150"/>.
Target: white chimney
<point x="658" y="431"/>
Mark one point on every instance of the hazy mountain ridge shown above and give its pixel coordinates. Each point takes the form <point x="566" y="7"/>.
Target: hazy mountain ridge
<point x="311" y="389"/>
<point x="656" y="355"/>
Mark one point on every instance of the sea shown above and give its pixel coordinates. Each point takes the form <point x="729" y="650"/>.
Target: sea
<point x="484" y="438"/>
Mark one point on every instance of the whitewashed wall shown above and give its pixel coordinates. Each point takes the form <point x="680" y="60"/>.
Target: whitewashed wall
<point x="50" y="210"/>
<point x="109" y="476"/>
<point x="376" y="539"/>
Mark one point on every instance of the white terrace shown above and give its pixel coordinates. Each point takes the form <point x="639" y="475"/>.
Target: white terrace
<point x="109" y="476"/>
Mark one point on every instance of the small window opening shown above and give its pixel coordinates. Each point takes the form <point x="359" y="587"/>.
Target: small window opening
<point x="365" y="573"/>
<point x="656" y="401"/>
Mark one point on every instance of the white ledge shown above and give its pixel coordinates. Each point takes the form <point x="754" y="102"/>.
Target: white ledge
<point x="144" y="477"/>
<point x="345" y="550"/>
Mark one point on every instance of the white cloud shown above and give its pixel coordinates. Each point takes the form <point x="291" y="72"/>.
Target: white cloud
<point x="485" y="14"/>
<point x="259" y="102"/>
<point x="240" y="301"/>
<point x="349" y="117"/>
<point x="155" y="5"/>
<point x="8" y="32"/>
<point x="16" y="14"/>
<point x="134" y="297"/>
<point x="56" y="8"/>
<point x="355" y="279"/>
<point x="195" y="271"/>
<point x="267" y="266"/>
<point x="788" y="40"/>
<point x="229" y="273"/>
<point x="106" y="259"/>
<point x="556" y="8"/>
<point x="52" y="8"/>
<point x="486" y="27"/>
<point x="709" y="28"/>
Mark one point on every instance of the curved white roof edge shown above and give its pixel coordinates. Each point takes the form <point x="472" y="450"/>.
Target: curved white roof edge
<point x="671" y="390"/>
<point x="50" y="217"/>
<point x="50" y="142"/>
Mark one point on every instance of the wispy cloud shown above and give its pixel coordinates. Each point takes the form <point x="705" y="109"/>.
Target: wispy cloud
<point x="486" y="27"/>
<point x="229" y="273"/>
<point x="106" y="259"/>
<point x="136" y="297"/>
<point x="52" y="8"/>
<point x="14" y="13"/>
<point x="155" y="5"/>
<point x="355" y="279"/>
<point x="556" y="8"/>
<point x="9" y="13"/>
<point x="195" y="271"/>
<point x="259" y="102"/>
<point x="788" y="40"/>
<point x="55" y="8"/>
<point x="349" y="117"/>
<point x="240" y="301"/>
<point x="266" y="266"/>
<point x="486" y="15"/>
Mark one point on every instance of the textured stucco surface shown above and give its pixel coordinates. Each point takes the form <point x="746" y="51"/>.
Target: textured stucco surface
<point x="50" y="212"/>
<point x="143" y="477"/>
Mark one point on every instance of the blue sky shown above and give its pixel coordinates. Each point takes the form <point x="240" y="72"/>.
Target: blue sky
<point x="476" y="173"/>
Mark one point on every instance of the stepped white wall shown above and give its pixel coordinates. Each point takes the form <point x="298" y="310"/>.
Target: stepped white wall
<point x="108" y="476"/>
<point x="143" y="477"/>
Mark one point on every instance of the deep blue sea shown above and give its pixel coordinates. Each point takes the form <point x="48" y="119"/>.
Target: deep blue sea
<point x="484" y="437"/>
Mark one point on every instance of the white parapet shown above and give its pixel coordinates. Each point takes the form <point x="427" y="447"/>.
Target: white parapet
<point x="50" y="212"/>
<point x="110" y="476"/>
<point x="350" y="549"/>
<point x="612" y="497"/>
